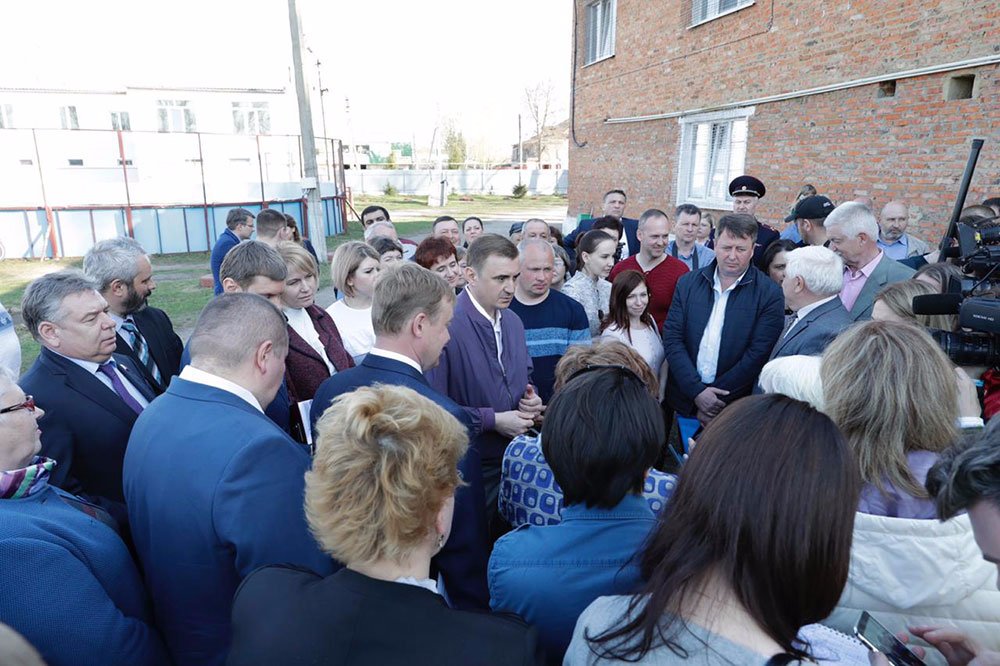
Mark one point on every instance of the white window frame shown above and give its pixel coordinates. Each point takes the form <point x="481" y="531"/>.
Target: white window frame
<point x="600" y="16"/>
<point x="68" y="117"/>
<point x="686" y="159"/>
<point x="703" y="11"/>
<point x="6" y="116"/>
<point x="120" y="120"/>
<point x="178" y="114"/>
<point x="255" y="117"/>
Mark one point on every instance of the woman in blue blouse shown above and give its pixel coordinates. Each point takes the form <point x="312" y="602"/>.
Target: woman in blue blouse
<point x="71" y="588"/>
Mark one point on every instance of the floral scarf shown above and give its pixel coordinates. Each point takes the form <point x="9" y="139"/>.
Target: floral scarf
<point x="27" y="481"/>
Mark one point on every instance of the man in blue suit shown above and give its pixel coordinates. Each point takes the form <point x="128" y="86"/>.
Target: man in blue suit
<point x="814" y="276"/>
<point x="124" y="275"/>
<point x="214" y="488"/>
<point x="613" y="205"/>
<point x="91" y="396"/>
<point x="411" y="310"/>
<point x="239" y="227"/>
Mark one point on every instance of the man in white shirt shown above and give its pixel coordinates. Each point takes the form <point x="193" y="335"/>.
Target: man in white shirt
<point x="811" y="290"/>
<point x="722" y="324"/>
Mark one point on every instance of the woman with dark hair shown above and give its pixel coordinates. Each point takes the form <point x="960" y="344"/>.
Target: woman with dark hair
<point x="297" y="237"/>
<point x="561" y="268"/>
<point x="601" y="434"/>
<point x="755" y="545"/>
<point x="629" y="321"/>
<point x="774" y="259"/>
<point x="614" y="228"/>
<point x="472" y="228"/>
<point x="438" y="255"/>
<point x="389" y="250"/>
<point x="595" y="257"/>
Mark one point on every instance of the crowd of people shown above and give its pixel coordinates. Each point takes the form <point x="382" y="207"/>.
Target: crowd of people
<point x="678" y="438"/>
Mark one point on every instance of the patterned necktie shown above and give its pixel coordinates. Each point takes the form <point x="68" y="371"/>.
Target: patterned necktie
<point x="141" y="350"/>
<point x="108" y="370"/>
<point x="789" y="322"/>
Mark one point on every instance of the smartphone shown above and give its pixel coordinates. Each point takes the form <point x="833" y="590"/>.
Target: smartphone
<point x="879" y="639"/>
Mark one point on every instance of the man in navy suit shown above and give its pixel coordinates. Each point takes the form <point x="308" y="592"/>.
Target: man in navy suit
<point x="411" y="310"/>
<point x="91" y="396"/>
<point x="613" y="205"/>
<point x="722" y="325"/>
<point x="814" y="277"/>
<point x="124" y="274"/>
<point x="256" y="268"/>
<point x="239" y="227"/>
<point x="214" y="488"/>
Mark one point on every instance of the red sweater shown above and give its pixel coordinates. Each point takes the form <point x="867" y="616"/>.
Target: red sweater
<point x="660" y="281"/>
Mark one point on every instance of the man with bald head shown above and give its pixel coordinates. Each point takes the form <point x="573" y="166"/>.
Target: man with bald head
<point x="552" y="321"/>
<point x="892" y="237"/>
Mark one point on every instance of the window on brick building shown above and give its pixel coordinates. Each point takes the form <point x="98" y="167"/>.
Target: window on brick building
<point x="706" y="10"/>
<point x="713" y="152"/>
<point x="600" y="30"/>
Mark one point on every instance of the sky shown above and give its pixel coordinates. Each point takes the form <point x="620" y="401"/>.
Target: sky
<point x="407" y="68"/>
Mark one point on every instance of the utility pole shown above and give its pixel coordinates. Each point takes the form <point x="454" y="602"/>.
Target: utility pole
<point x="314" y="213"/>
<point x="322" y="111"/>
<point x="520" y="151"/>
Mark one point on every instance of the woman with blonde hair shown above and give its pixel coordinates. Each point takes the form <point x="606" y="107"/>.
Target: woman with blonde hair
<point x="354" y="268"/>
<point x="895" y="303"/>
<point x="379" y="499"/>
<point x="896" y="397"/>
<point x="315" y="346"/>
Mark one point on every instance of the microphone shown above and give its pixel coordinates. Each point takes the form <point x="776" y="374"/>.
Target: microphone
<point x="937" y="304"/>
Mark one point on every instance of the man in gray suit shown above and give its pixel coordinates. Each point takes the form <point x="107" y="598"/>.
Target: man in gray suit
<point x="814" y="277"/>
<point x="853" y="234"/>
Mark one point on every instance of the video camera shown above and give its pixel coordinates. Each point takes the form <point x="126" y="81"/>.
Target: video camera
<point x="975" y="298"/>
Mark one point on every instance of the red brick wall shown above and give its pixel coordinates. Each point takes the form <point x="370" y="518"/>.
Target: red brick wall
<point x="847" y="143"/>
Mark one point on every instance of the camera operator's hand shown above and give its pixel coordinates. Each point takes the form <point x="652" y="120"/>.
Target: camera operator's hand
<point x="968" y="398"/>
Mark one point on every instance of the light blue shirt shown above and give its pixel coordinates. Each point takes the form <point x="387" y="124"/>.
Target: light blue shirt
<point x="896" y="250"/>
<point x="705" y="255"/>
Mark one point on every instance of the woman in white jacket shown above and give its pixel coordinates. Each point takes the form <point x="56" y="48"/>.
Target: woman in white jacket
<point x="894" y="395"/>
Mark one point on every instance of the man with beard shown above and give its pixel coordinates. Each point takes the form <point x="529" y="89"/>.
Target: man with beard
<point x="893" y="239"/>
<point x="122" y="269"/>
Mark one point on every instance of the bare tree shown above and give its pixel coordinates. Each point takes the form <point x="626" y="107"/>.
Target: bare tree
<point x="539" y="99"/>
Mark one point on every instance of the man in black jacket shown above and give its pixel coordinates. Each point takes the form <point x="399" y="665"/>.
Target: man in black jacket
<point x="124" y="274"/>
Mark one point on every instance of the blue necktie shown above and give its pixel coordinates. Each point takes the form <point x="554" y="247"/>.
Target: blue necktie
<point x="141" y="350"/>
<point x="108" y="370"/>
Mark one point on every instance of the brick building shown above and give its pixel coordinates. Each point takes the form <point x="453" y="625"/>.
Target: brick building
<point x="864" y="98"/>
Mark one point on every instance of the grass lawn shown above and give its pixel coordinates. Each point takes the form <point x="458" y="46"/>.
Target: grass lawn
<point x="460" y="206"/>
<point x="177" y="290"/>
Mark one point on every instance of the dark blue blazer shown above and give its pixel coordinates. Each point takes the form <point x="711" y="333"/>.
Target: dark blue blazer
<point x="462" y="561"/>
<point x="214" y="490"/>
<point x="226" y="242"/>
<point x="164" y="346"/>
<point x="811" y="335"/>
<point x="631" y="227"/>
<point x="755" y="315"/>
<point x="85" y="428"/>
<point x="278" y="411"/>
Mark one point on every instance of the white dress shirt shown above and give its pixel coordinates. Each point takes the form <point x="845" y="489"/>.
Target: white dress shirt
<point x="193" y="374"/>
<point x="385" y="353"/>
<point x="495" y="322"/>
<point x="91" y="367"/>
<point x="708" y="350"/>
<point x="302" y="323"/>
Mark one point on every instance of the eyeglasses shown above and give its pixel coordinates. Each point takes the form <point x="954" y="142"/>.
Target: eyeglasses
<point x="29" y="404"/>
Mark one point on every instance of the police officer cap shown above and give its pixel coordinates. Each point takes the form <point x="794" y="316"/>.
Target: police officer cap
<point x="746" y="186"/>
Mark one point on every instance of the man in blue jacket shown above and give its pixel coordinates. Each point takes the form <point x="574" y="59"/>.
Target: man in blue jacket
<point x="411" y="310"/>
<point x="721" y="326"/>
<point x="239" y="227"/>
<point x="613" y="205"/>
<point x="214" y="488"/>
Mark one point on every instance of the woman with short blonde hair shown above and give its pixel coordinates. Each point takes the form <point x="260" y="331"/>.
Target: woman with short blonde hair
<point x="315" y="346"/>
<point x="354" y="269"/>
<point x="379" y="499"/>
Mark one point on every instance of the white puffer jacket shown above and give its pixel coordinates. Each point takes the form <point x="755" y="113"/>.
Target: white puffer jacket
<point x="910" y="572"/>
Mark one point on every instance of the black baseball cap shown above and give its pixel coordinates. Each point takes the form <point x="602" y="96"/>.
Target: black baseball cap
<point x="811" y="208"/>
